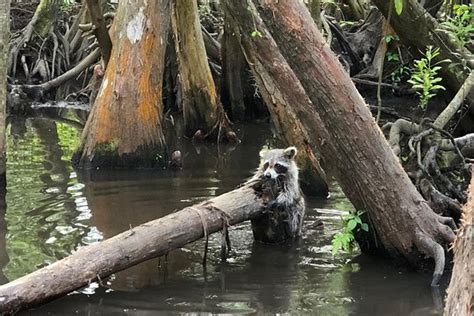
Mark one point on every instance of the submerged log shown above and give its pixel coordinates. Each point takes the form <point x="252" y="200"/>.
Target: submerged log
<point x="147" y="241"/>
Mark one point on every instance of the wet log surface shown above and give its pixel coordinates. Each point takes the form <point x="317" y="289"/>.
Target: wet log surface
<point x="147" y="241"/>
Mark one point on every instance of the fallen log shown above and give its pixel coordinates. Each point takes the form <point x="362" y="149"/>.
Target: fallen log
<point x="147" y="241"/>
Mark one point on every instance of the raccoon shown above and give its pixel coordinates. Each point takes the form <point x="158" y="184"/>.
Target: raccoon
<point x="276" y="179"/>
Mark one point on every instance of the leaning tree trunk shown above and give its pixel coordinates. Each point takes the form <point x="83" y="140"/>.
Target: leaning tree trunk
<point x="419" y="29"/>
<point x="4" y="40"/>
<point x="124" y="128"/>
<point x="280" y="90"/>
<point x="147" y="241"/>
<point x="460" y="300"/>
<point x="202" y="111"/>
<point x="349" y="141"/>
<point x="100" y="29"/>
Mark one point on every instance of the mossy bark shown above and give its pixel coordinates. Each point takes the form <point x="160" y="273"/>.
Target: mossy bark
<point x="44" y="16"/>
<point x="4" y="40"/>
<point x="124" y="128"/>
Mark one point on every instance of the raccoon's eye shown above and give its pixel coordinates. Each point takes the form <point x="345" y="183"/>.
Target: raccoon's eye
<point x="280" y="168"/>
<point x="265" y="166"/>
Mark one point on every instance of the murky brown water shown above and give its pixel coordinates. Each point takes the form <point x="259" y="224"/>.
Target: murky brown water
<point x="52" y="209"/>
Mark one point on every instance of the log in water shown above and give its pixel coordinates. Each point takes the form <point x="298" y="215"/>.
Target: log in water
<point x="147" y="241"/>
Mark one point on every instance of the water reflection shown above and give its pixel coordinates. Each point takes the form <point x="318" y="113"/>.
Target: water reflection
<point x="53" y="209"/>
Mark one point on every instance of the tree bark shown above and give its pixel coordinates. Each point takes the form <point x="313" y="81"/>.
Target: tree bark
<point x="124" y="128"/>
<point x="314" y="7"/>
<point x="232" y="68"/>
<point x="349" y="141"/>
<point x="460" y="300"/>
<point x="282" y="93"/>
<point x="100" y="29"/>
<point x="418" y="28"/>
<point x="149" y="240"/>
<point x="201" y="109"/>
<point x="4" y="40"/>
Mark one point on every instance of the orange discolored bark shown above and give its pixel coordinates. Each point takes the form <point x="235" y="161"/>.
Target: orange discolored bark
<point x="124" y="128"/>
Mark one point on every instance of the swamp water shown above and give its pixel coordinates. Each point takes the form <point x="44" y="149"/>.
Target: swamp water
<point x="53" y="209"/>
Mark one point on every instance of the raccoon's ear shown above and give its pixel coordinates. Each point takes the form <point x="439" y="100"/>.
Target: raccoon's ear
<point x="290" y="152"/>
<point x="263" y="152"/>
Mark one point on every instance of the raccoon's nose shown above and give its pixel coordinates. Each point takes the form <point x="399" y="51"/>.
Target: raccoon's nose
<point x="267" y="174"/>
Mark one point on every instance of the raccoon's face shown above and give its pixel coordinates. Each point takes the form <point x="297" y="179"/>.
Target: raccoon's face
<point x="278" y="163"/>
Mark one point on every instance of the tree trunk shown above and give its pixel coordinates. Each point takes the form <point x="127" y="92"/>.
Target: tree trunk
<point x="100" y="29"/>
<point x="460" y="300"/>
<point x="232" y="68"/>
<point x="282" y="93"/>
<point x="4" y="40"/>
<point x="349" y="141"/>
<point x="419" y="29"/>
<point x="149" y="240"/>
<point x="124" y="128"/>
<point x="201" y="109"/>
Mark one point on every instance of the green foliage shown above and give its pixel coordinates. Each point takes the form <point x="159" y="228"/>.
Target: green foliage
<point x="392" y="56"/>
<point x="345" y="240"/>
<point x="461" y="26"/>
<point x="391" y="38"/>
<point x="424" y="77"/>
<point x="400" y="74"/>
<point x="254" y="13"/>
<point x="256" y="33"/>
<point x="398" y="6"/>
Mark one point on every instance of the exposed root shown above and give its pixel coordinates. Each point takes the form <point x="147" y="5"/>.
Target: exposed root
<point x="432" y="249"/>
<point x="399" y="127"/>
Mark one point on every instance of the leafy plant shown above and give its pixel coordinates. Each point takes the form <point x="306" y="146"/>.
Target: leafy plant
<point x="398" y="6"/>
<point x="424" y="77"/>
<point x="345" y="240"/>
<point x="255" y="32"/>
<point x="400" y="74"/>
<point x="461" y="25"/>
<point x="390" y="38"/>
<point x="391" y="56"/>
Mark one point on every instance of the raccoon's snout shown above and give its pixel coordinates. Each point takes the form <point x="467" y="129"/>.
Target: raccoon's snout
<point x="270" y="174"/>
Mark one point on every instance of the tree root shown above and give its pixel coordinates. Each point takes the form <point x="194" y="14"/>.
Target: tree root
<point x="439" y="202"/>
<point x="432" y="249"/>
<point x="399" y="127"/>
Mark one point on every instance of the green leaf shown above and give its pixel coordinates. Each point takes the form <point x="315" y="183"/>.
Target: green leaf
<point x="398" y="6"/>
<point x="364" y="227"/>
<point x="256" y="33"/>
<point x="351" y="224"/>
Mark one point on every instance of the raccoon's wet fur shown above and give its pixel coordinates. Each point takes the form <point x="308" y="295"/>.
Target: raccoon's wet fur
<point x="276" y="181"/>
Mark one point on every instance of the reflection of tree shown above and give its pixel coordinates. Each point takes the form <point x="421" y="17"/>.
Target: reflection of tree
<point x="381" y="288"/>
<point x="3" y="231"/>
<point x="42" y="218"/>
